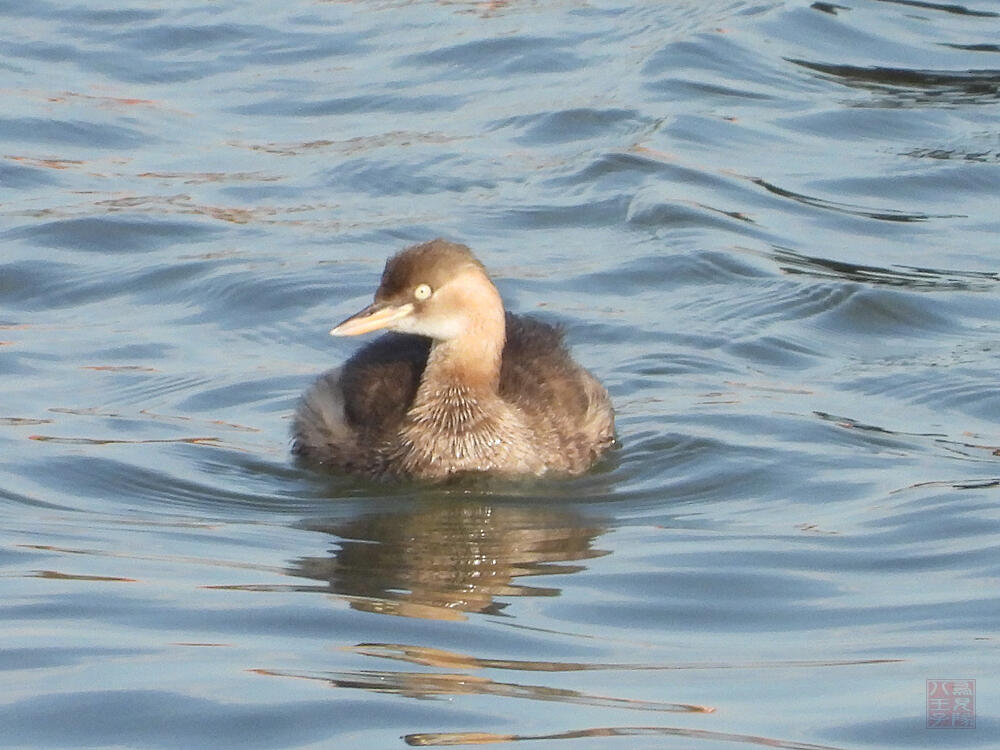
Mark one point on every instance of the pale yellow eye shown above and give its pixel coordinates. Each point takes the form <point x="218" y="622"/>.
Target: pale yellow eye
<point x="422" y="292"/>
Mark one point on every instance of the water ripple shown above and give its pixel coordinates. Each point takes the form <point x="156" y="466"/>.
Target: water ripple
<point x="77" y="133"/>
<point x="901" y="87"/>
<point x="769" y="229"/>
<point x="108" y="234"/>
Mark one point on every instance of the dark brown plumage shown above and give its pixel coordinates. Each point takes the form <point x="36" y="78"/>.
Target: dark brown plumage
<point x="458" y="387"/>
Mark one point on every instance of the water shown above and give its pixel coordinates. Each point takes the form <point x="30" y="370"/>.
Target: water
<point x="770" y="229"/>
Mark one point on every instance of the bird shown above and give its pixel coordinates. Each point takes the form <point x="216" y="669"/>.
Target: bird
<point x="456" y="386"/>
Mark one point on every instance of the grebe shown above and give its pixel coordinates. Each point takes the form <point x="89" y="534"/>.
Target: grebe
<point x="457" y="387"/>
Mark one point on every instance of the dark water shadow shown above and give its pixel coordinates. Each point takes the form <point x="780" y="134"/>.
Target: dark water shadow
<point x="911" y="277"/>
<point x="907" y="87"/>
<point x="953" y="8"/>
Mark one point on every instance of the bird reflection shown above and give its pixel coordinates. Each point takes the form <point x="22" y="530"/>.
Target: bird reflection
<point x="444" y="558"/>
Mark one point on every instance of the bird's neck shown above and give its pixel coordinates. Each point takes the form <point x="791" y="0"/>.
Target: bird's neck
<point x="470" y="361"/>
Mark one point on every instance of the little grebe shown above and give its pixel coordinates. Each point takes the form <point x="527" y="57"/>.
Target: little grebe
<point x="459" y="386"/>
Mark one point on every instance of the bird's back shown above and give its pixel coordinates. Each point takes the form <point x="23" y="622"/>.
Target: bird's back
<point x="566" y="407"/>
<point x="350" y="413"/>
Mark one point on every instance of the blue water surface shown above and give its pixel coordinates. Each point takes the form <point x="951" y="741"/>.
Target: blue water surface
<point x="770" y="228"/>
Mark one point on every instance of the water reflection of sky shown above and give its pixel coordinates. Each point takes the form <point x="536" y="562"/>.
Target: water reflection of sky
<point x="769" y="229"/>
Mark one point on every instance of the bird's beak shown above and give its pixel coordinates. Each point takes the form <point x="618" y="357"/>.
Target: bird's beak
<point x="372" y="318"/>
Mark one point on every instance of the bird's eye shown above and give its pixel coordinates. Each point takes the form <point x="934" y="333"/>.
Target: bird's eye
<point x="422" y="292"/>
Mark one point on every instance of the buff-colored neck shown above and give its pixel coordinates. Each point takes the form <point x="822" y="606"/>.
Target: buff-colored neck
<point x="470" y="360"/>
